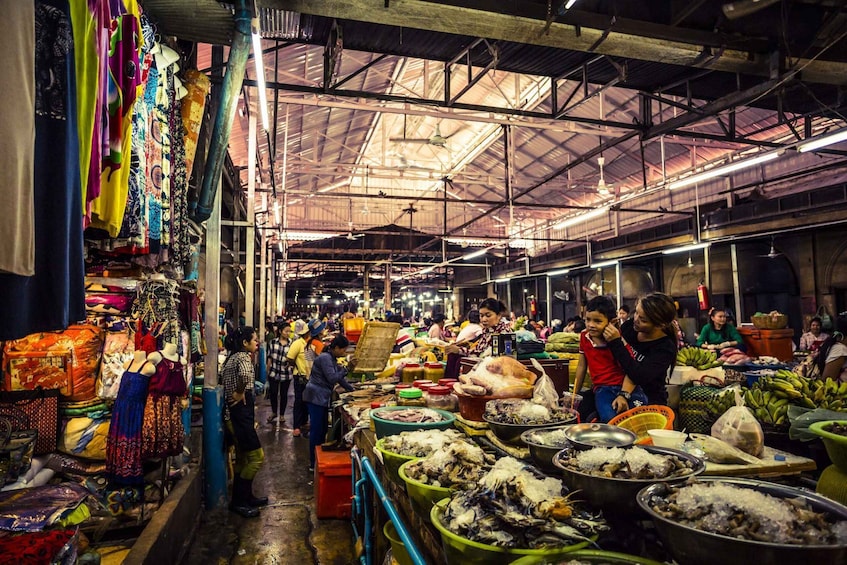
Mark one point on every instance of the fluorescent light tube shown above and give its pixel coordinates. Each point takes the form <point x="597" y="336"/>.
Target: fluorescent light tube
<point x="823" y="141"/>
<point x="684" y="248"/>
<point x="604" y="264"/>
<point x="573" y="220"/>
<point x="259" y="59"/>
<point x="558" y="272"/>
<point x="502" y="280"/>
<point x="724" y="170"/>
<point x="569" y="4"/>
<point x="474" y="254"/>
<point x="427" y="270"/>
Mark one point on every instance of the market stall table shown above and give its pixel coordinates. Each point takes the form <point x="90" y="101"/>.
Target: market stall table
<point x="787" y="464"/>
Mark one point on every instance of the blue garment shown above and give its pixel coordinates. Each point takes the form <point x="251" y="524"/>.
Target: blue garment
<point x="54" y="297"/>
<point x="604" y="395"/>
<point x="318" y="416"/>
<point x="326" y="373"/>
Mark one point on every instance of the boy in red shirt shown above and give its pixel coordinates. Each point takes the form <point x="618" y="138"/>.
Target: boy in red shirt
<point x="607" y="377"/>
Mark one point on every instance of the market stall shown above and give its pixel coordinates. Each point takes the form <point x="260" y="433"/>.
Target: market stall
<point x="625" y="523"/>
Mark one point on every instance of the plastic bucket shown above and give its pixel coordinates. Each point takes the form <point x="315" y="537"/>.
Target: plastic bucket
<point x="398" y="548"/>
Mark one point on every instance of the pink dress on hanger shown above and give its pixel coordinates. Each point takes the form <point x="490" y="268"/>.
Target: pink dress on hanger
<point x="163" y="432"/>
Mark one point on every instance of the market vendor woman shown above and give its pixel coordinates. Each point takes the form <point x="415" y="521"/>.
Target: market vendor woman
<point x="490" y="313"/>
<point x="718" y="333"/>
<point x="645" y="347"/>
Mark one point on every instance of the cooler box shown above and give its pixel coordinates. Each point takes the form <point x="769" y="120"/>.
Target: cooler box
<point x="353" y="329"/>
<point x="333" y="484"/>
<point x="775" y="343"/>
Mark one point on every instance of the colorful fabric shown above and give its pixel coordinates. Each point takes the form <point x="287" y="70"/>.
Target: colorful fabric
<point x="53" y="297"/>
<point x="193" y="106"/>
<point x="123" y="78"/>
<point x="123" y="449"/>
<point x="37" y="548"/>
<point x="85" y="437"/>
<point x="32" y="510"/>
<point x="162" y="433"/>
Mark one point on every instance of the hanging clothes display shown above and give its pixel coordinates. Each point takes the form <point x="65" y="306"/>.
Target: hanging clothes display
<point x="162" y="429"/>
<point x="17" y="130"/>
<point x="193" y="105"/>
<point x="123" y="79"/>
<point x="123" y="448"/>
<point x="156" y="306"/>
<point x="54" y="296"/>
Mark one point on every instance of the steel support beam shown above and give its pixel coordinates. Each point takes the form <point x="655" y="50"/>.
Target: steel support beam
<point x="361" y="94"/>
<point x="575" y="31"/>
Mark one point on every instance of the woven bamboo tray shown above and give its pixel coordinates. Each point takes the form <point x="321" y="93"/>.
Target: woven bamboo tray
<point x="374" y="346"/>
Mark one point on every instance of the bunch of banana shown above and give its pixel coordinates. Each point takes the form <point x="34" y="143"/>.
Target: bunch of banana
<point x="767" y="406"/>
<point x="696" y="357"/>
<point x="720" y="403"/>
<point x="828" y="394"/>
<point x="770" y="396"/>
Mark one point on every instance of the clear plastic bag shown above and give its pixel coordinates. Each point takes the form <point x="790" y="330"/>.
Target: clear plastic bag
<point x="739" y="428"/>
<point x="544" y="391"/>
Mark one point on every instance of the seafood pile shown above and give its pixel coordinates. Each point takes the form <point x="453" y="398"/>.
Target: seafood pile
<point x="457" y="465"/>
<point x="523" y="412"/>
<point x="549" y="438"/>
<point x="501" y="377"/>
<point x="411" y="415"/>
<point x="630" y="463"/>
<point x="748" y="514"/>
<point x="420" y="443"/>
<point x="836" y="428"/>
<point x="513" y="506"/>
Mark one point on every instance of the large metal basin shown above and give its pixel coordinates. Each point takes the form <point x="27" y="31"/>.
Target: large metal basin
<point x="695" y="547"/>
<point x="618" y="496"/>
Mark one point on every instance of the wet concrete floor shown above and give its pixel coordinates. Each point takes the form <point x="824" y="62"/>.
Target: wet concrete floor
<point x="287" y="531"/>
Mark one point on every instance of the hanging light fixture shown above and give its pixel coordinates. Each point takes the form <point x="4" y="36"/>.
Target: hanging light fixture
<point x="259" y="60"/>
<point x="602" y="188"/>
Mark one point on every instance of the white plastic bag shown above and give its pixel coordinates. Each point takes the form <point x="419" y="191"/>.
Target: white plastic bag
<point x="544" y="391"/>
<point x="739" y="428"/>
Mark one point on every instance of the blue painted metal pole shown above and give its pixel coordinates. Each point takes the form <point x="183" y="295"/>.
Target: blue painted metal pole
<point x="407" y="540"/>
<point x="233" y="79"/>
<point x="213" y="448"/>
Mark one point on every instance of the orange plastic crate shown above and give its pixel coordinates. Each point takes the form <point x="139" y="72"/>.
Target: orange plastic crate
<point x="333" y="484"/>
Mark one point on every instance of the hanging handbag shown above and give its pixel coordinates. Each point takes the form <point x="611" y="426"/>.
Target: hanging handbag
<point x="16" y="450"/>
<point x="34" y="410"/>
<point x="826" y="319"/>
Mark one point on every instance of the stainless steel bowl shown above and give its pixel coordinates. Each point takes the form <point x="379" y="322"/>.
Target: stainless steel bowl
<point x="618" y="496"/>
<point x="695" y="547"/>
<point x="511" y="433"/>
<point x="542" y="454"/>
<point x="588" y="435"/>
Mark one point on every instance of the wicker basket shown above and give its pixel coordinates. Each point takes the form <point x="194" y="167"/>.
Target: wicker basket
<point x="770" y="321"/>
<point x="642" y="418"/>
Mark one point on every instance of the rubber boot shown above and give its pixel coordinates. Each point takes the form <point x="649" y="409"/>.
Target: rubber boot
<point x="239" y="503"/>
<point x="253" y="501"/>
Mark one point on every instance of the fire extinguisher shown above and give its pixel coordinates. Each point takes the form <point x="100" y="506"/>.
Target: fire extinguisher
<point x="703" y="296"/>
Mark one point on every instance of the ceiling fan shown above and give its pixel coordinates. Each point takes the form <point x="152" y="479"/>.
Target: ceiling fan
<point x="772" y="254"/>
<point x="351" y="236"/>
<point x="436" y="139"/>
